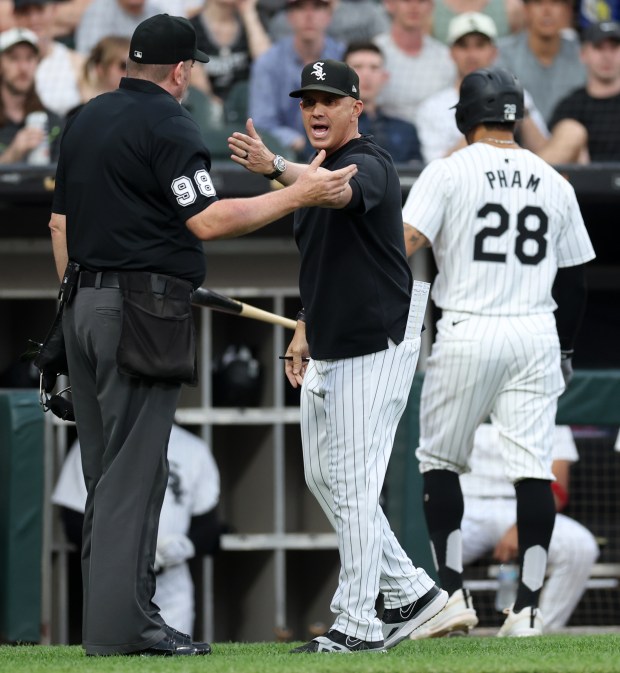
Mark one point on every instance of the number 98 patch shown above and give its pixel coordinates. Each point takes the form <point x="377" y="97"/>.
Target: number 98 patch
<point x="183" y="187"/>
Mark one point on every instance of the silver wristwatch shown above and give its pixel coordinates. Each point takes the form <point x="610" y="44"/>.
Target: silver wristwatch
<point x="279" y="166"/>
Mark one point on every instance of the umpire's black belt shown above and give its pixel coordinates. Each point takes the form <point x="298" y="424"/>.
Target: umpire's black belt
<point x="110" y="279"/>
<point x="99" y="279"/>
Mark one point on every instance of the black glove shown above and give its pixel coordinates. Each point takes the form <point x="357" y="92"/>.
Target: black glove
<point x="566" y="363"/>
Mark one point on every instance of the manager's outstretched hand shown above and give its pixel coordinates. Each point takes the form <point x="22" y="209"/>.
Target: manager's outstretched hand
<point x="320" y="187"/>
<point x="249" y="150"/>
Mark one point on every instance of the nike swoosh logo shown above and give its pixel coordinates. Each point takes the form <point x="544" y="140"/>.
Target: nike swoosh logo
<point x="458" y="322"/>
<point x="406" y="612"/>
<point x="352" y="642"/>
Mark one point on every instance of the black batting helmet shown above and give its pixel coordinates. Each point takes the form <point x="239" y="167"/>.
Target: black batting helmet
<point x="489" y="95"/>
<point x="237" y="378"/>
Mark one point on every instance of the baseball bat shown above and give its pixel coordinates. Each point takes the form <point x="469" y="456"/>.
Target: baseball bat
<point x="202" y="296"/>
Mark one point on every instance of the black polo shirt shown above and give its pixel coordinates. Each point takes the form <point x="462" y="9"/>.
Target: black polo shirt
<point x="133" y="169"/>
<point x="599" y="116"/>
<point x="355" y="281"/>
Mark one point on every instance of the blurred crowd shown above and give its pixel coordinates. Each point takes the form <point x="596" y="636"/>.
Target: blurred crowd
<point x="411" y="56"/>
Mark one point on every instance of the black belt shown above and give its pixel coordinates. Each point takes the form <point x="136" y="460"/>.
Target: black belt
<point x="98" y="279"/>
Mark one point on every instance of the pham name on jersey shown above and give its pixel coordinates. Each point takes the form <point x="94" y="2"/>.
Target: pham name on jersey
<point x="512" y="179"/>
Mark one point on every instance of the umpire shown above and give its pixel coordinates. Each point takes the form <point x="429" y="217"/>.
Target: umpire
<point x="133" y="199"/>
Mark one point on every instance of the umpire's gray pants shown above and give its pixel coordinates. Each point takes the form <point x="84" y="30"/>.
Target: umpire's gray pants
<point x="123" y="426"/>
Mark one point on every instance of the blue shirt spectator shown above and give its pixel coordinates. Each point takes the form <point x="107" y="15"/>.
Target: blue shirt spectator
<point x="276" y="72"/>
<point x="397" y="136"/>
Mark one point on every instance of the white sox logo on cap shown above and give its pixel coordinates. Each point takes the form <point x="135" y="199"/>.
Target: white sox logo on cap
<point x="330" y="76"/>
<point x="318" y="70"/>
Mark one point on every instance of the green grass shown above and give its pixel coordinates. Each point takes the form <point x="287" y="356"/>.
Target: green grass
<point x="548" y="654"/>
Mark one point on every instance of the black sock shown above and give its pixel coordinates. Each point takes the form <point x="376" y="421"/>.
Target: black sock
<point x="443" y="508"/>
<point x="535" y="519"/>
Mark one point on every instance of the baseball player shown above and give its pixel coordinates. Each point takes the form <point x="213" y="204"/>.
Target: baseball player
<point x="361" y="330"/>
<point x="506" y="230"/>
<point x="188" y="524"/>
<point x="488" y="526"/>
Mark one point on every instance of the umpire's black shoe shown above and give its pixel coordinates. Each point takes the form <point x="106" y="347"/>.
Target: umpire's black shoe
<point x="170" y="646"/>
<point x="203" y="648"/>
<point x="398" y="623"/>
<point x="335" y="641"/>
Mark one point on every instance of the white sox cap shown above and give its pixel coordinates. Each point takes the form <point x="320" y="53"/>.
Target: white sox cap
<point x="330" y="76"/>
<point x="471" y="22"/>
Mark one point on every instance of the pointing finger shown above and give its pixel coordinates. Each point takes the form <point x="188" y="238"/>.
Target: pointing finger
<point x="249" y="125"/>
<point x="318" y="160"/>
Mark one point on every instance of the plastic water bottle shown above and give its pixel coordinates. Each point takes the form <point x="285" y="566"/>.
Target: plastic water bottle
<point x="507" y="582"/>
<point x="40" y="155"/>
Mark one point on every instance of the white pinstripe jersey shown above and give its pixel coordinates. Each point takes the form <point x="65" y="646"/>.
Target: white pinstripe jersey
<point x="487" y="478"/>
<point x="501" y="221"/>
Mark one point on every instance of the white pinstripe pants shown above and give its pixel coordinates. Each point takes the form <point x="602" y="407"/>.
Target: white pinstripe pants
<point x="350" y="409"/>
<point x="506" y="367"/>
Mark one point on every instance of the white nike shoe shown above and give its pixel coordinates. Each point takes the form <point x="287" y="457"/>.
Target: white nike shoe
<point x="338" y="642"/>
<point x="526" y="622"/>
<point x="398" y="623"/>
<point x="458" y="617"/>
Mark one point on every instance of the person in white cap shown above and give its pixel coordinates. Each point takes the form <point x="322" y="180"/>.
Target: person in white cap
<point x="60" y="68"/>
<point x="26" y="123"/>
<point x="472" y="45"/>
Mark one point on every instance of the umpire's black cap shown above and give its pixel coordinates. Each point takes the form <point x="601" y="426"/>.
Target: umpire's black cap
<point x="330" y="76"/>
<point x="165" y="39"/>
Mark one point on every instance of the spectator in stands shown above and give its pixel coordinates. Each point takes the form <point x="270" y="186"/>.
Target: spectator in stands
<point x="231" y="33"/>
<point x="488" y="527"/>
<point x="6" y="15"/>
<point x="59" y="72"/>
<point x="546" y="62"/>
<point x="112" y="17"/>
<point x="66" y="19"/>
<point x="353" y="21"/>
<point x="507" y="15"/>
<point x="589" y="12"/>
<point x="276" y="72"/>
<point x="19" y="57"/>
<point x="586" y="124"/>
<point x="189" y="525"/>
<point x="397" y="136"/>
<point x="69" y="14"/>
<point x="105" y="65"/>
<point x="472" y="46"/>
<point x="419" y="65"/>
<point x="187" y="8"/>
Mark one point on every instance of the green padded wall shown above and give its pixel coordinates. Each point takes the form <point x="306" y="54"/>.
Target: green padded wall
<point x="21" y="515"/>
<point x="593" y="398"/>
